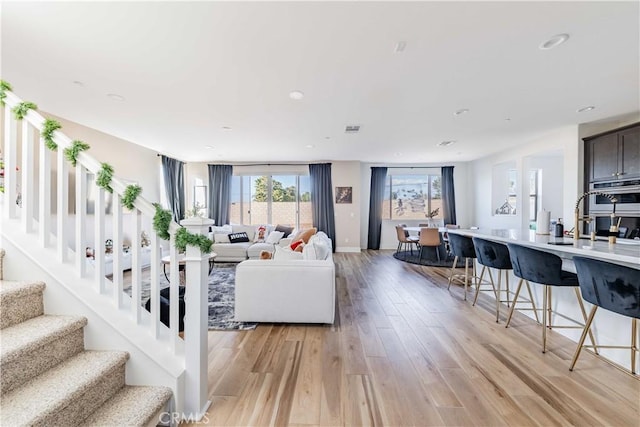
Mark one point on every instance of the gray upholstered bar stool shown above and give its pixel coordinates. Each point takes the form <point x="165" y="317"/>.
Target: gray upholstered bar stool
<point x="545" y="268"/>
<point x="615" y="288"/>
<point x="462" y="247"/>
<point x="496" y="255"/>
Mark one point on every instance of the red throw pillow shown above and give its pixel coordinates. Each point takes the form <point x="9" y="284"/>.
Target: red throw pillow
<point x="295" y="244"/>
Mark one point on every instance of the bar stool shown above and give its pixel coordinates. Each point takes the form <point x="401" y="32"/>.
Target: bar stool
<point x="615" y="288"/>
<point x="462" y="247"/>
<point x="496" y="255"/>
<point x="545" y="268"/>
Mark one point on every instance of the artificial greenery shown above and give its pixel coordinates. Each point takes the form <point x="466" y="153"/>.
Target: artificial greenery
<point x="161" y="222"/>
<point x="48" y="128"/>
<point x="184" y="238"/>
<point x="4" y="86"/>
<point x="23" y="108"/>
<point x="71" y="153"/>
<point x="130" y="194"/>
<point x="104" y="177"/>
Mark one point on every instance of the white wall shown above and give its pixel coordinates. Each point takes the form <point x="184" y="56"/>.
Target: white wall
<point x="348" y="216"/>
<point x="388" y="240"/>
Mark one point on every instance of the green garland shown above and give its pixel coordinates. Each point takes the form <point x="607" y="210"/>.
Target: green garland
<point x="104" y="177"/>
<point x="184" y="238"/>
<point x="130" y="194"/>
<point x="23" y="108"/>
<point x="161" y="222"/>
<point x="4" y="86"/>
<point x="48" y="128"/>
<point x="71" y="153"/>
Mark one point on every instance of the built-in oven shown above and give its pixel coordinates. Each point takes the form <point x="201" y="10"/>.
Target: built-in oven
<point x="626" y="193"/>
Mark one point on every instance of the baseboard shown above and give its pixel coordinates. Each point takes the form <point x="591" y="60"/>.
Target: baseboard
<point x="348" y="249"/>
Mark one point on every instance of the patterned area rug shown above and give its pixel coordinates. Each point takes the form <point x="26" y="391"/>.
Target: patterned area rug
<point x="221" y="298"/>
<point x="427" y="259"/>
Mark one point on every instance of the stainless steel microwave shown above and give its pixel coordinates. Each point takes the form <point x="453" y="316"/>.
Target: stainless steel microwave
<point x="627" y="194"/>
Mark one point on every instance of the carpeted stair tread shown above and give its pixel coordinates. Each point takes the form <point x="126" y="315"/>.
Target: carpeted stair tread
<point x="49" y="393"/>
<point x="23" y="338"/>
<point x="131" y="406"/>
<point x="12" y="288"/>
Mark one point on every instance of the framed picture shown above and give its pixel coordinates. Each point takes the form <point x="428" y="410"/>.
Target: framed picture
<point x="344" y="194"/>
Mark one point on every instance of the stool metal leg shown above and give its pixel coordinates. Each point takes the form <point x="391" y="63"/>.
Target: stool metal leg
<point x="587" y="327"/>
<point x="478" y="284"/>
<point x="466" y="277"/>
<point x="453" y="269"/>
<point x="513" y="306"/>
<point x="498" y="296"/>
<point x="545" y="304"/>
<point x="533" y="303"/>
<point x="634" y="344"/>
<point x="584" y="316"/>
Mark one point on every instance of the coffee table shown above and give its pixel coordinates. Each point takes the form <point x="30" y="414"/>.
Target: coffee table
<point x="182" y="263"/>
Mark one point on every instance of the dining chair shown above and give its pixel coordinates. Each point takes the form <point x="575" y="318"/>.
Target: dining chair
<point x="405" y="239"/>
<point x="429" y="237"/>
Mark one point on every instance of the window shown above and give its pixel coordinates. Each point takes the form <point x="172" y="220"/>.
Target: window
<point x="271" y="199"/>
<point x="534" y="185"/>
<point x="412" y="197"/>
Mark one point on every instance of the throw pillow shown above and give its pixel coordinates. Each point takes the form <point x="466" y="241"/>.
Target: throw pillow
<point x="285" y="229"/>
<point x="221" y="238"/>
<point x="316" y="249"/>
<point x="306" y="234"/>
<point x="295" y="244"/>
<point x="260" y="233"/>
<point x="285" y="254"/>
<point x="300" y="247"/>
<point x="226" y="229"/>
<point x="238" y="237"/>
<point x="266" y="255"/>
<point x="274" y="237"/>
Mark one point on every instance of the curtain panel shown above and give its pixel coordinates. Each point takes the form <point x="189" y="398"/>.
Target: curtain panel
<point x="378" y="179"/>
<point x="220" y="193"/>
<point x="322" y="200"/>
<point x="173" y="172"/>
<point x="448" y="195"/>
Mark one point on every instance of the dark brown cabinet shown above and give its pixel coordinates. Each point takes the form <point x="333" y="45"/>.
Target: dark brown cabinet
<point x="613" y="155"/>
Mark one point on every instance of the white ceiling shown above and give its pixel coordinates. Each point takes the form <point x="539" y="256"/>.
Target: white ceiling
<point x="188" y="69"/>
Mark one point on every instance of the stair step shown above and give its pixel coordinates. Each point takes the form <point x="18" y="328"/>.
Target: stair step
<point x="20" y="301"/>
<point x="67" y="393"/>
<point x="33" y="346"/>
<point x="132" y="406"/>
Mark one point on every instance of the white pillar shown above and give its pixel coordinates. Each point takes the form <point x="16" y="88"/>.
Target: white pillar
<point x="196" y="322"/>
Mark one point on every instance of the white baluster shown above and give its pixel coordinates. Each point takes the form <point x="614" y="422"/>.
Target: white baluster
<point x="99" y="238"/>
<point x="62" y="207"/>
<point x="81" y="219"/>
<point x="44" y="203"/>
<point x="155" y="284"/>
<point x="27" y="177"/>
<point x="174" y="305"/>
<point x="195" y="322"/>
<point x="117" y="250"/>
<point x="10" y="163"/>
<point x="136" y="274"/>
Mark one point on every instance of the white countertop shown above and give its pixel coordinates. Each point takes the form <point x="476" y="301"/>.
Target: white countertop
<point x="625" y="252"/>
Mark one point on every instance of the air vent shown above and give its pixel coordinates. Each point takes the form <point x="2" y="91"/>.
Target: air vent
<point x="352" y="129"/>
<point x="445" y="143"/>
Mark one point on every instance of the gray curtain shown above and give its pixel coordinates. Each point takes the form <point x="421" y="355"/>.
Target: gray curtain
<point x="448" y="195"/>
<point x="219" y="193"/>
<point x="172" y="171"/>
<point x="378" y="179"/>
<point x="322" y="200"/>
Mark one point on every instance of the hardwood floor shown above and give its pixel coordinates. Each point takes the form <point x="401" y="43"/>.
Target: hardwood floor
<point x="405" y="351"/>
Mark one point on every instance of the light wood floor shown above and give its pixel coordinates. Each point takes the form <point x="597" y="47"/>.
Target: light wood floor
<point x="405" y="351"/>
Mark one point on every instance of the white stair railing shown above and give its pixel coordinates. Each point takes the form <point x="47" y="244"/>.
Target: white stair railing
<point x="20" y="185"/>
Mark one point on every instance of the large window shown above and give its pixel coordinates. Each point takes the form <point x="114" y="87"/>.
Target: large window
<point x="412" y="197"/>
<point x="271" y="199"/>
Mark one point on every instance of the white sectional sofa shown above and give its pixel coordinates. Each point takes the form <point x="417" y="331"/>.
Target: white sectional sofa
<point x="236" y="252"/>
<point x="288" y="291"/>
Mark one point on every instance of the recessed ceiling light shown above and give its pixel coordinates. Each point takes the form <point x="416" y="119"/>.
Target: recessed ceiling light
<point x="296" y="95"/>
<point x="583" y="109"/>
<point x="310" y="146"/>
<point x="227" y="128"/>
<point x="445" y="143"/>
<point x="78" y="83"/>
<point x="400" y="46"/>
<point x="507" y="119"/>
<point x="462" y="111"/>
<point x="210" y="147"/>
<point x="327" y="137"/>
<point x="397" y="154"/>
<point x="554" y="41"/>
<point x="115" y="97"/>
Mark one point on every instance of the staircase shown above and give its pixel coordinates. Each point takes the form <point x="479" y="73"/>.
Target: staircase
<point x="48" y="378"/>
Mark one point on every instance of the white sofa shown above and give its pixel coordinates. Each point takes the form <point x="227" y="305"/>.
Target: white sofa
<point x="288" y="291"/>
<point x="236" y="252"/>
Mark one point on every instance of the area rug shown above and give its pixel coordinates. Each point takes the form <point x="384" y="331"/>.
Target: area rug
<point x="414" y="258"/>
<point x="221" y="298"/>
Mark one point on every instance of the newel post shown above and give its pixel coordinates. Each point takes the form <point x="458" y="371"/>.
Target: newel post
<point x="196" y="322"/>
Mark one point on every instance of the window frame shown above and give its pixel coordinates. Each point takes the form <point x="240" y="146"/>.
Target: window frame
<point x="428" y="199"/>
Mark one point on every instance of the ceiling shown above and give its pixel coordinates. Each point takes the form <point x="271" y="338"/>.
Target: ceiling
<point x="187" y="70"/>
